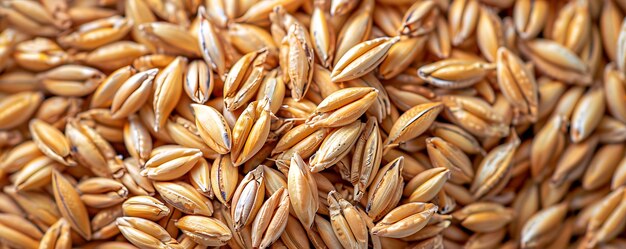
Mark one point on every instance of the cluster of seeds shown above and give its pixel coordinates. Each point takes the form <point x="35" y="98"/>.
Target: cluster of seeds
<point x="312" y="124"/>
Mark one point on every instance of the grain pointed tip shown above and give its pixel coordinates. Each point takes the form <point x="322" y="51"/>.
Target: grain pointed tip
<point x="196" y="106"/>
<point x="446" y="172"/>
<point x="70" y="162"/>
<point x="115" y="114"/>
<point x="152" y="71"/>
<point x="501" y="51"/>
<point x="201" y="12"/>
<point x="489" y="66"/>
<point x="316" y="168"/>
<point x="405" y="30"/>
<point x="421" y="73"/>
<point x="144" y="172"/>
<point x="333" y="75"/>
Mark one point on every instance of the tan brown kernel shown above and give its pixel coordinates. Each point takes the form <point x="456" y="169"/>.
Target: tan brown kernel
<point x="313" y="124"/>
